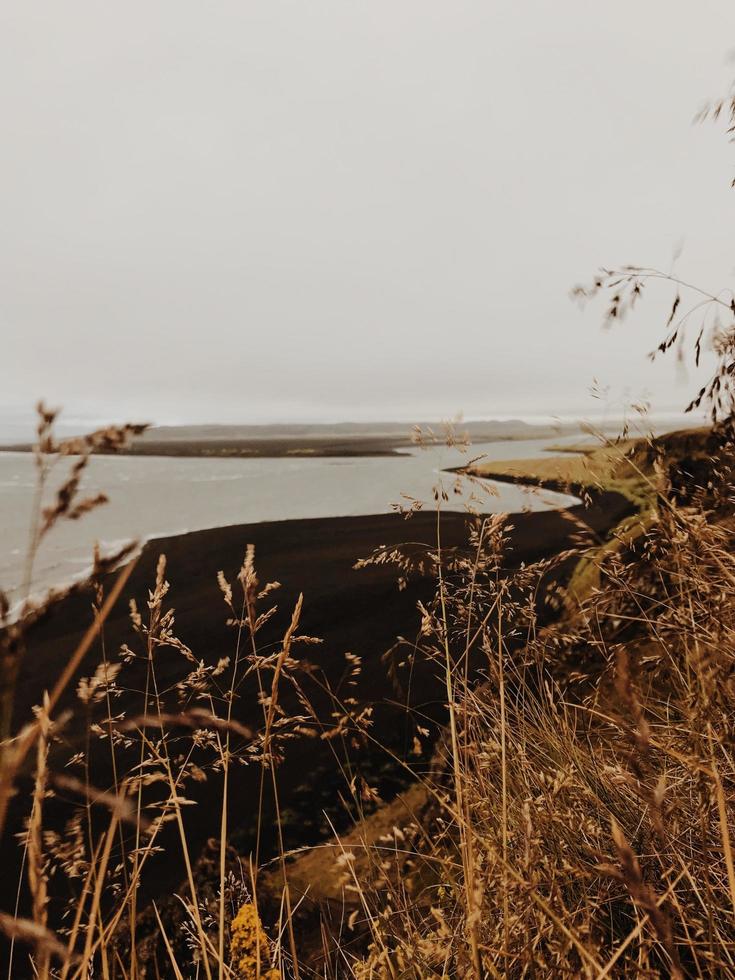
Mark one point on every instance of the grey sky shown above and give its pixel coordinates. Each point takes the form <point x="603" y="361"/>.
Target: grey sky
<point x="245" y="211"/>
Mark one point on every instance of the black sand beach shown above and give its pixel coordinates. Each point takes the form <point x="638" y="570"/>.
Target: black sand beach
<point x="315" y="557"/>
<point x="358" y="611"/>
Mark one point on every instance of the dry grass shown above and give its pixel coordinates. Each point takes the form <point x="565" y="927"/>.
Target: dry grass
<point x="564" y="470"/>
<point x="609" y="465"/>
<point x="598" y="793"/>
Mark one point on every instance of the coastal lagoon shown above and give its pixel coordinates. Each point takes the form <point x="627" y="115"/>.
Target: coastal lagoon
<point x="161" y="496"/>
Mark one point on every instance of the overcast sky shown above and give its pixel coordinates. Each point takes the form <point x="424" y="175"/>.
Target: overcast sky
<point x="260" y="210"/>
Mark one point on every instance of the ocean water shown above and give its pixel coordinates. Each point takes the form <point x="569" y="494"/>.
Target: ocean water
<point x="159" y="496"/>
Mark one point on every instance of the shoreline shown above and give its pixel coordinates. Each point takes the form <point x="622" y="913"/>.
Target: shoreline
<point x="315" y="555"/>
<point x="246" y="449"/>
<point x="326" y="547"/>
<point x="573" y="487"/>
<point x="269" y="448"/>
<point x="46" y="585"/>
<point x="275" y="442"/>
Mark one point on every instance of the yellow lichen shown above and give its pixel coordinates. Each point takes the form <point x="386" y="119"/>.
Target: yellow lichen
<point x="250" y="948"/>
